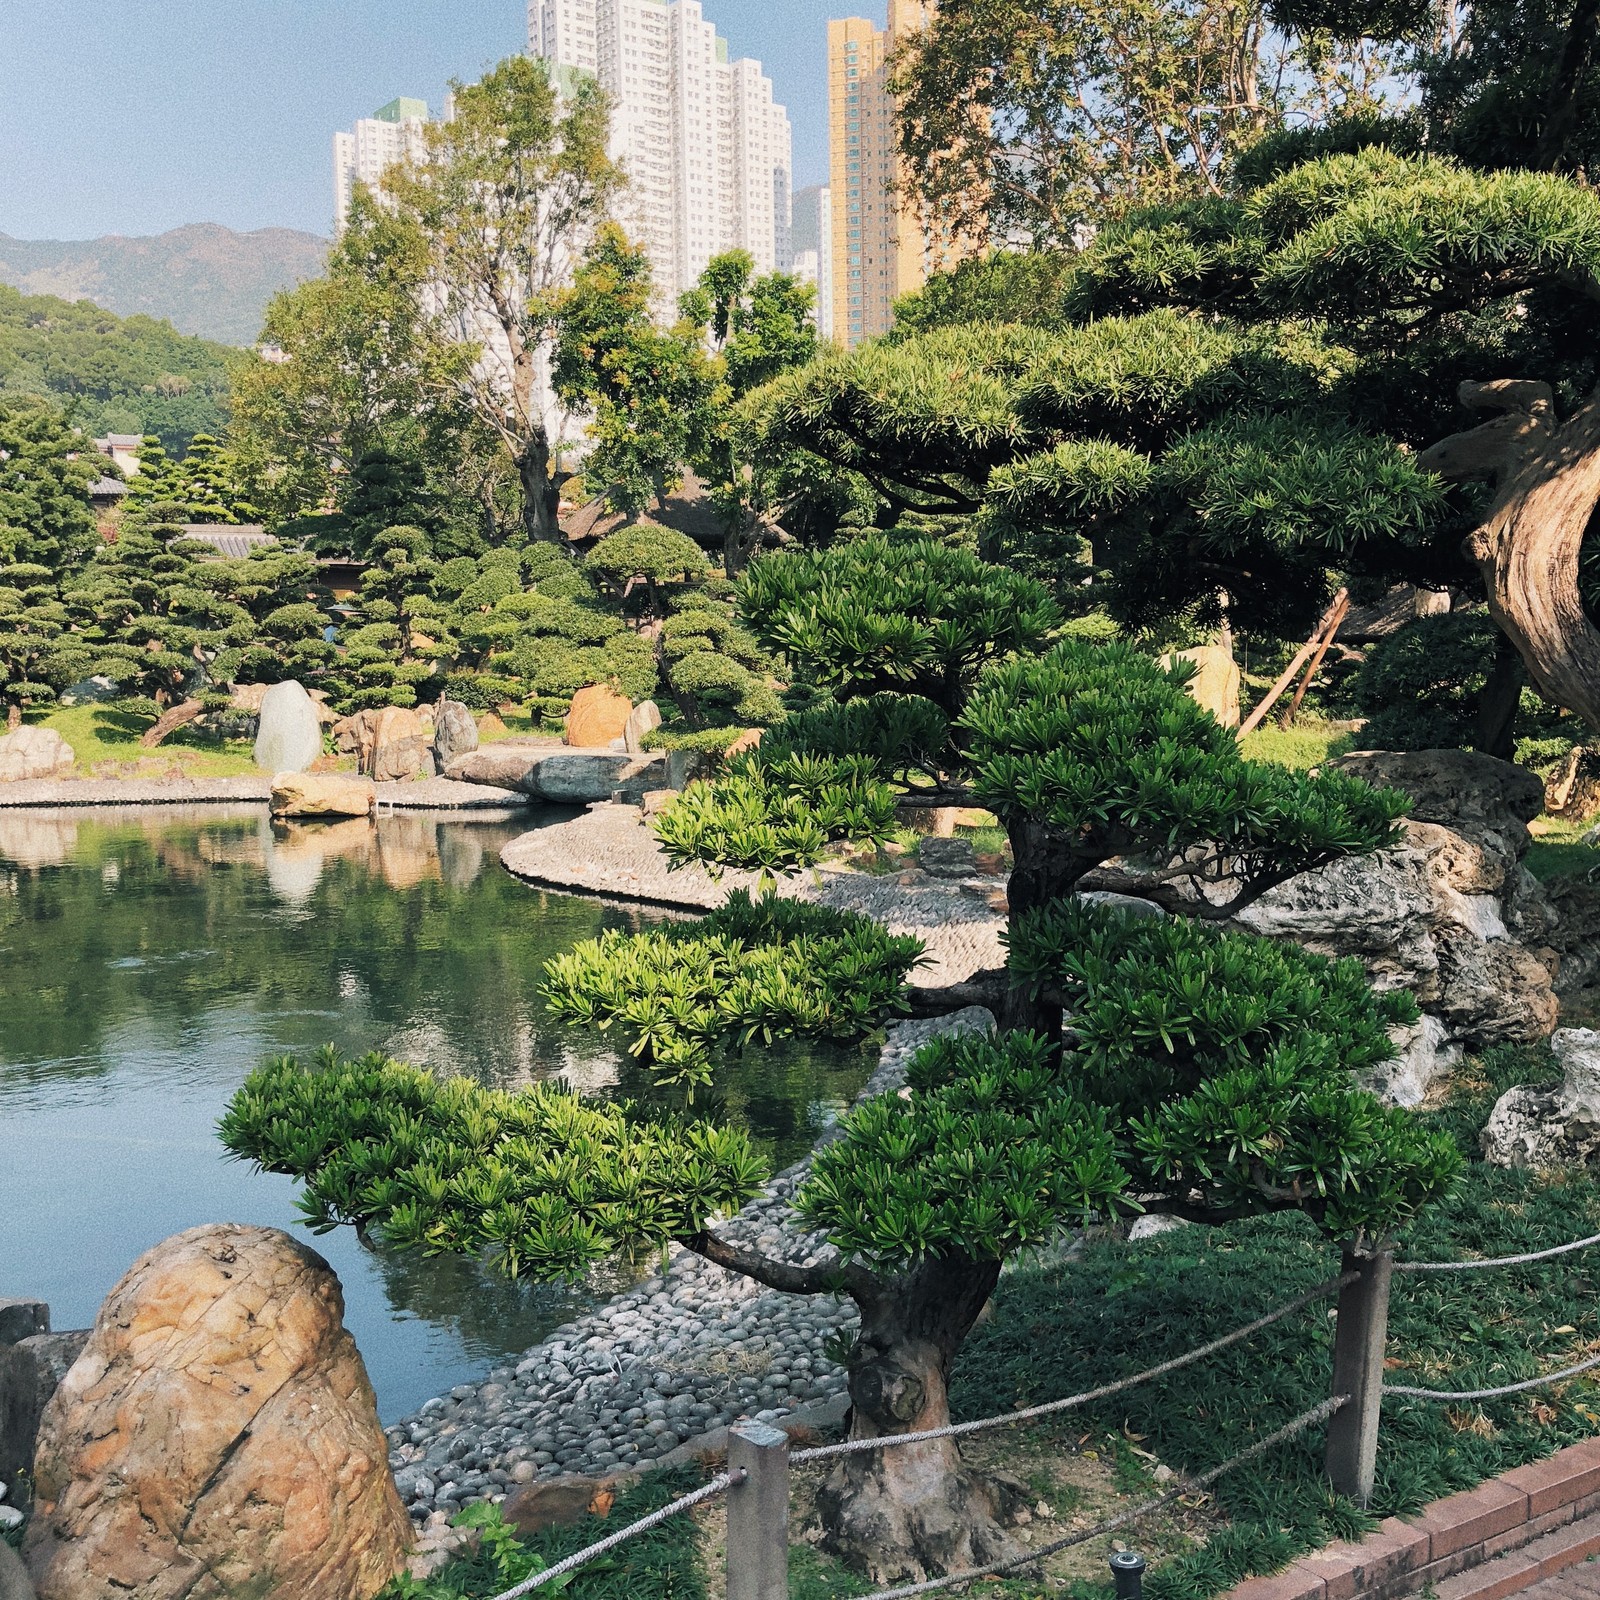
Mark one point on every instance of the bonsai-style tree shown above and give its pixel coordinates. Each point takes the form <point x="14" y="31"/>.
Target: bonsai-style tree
<point x="1205" y="1074"/>
<point x="1250" y="395"/>
<point x="46" y="530"/>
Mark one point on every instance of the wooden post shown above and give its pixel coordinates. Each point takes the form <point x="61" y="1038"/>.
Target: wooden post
<point x="758" y="1513"/>
<point x="1303" y="655"/>
<point x="1358" y="1348"/>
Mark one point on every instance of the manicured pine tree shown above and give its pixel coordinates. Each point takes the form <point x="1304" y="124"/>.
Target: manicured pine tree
<point x="1205" y="1075"/>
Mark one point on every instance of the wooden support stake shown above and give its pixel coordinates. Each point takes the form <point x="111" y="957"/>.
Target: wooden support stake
<point x="1358" y="1346"/>
<point x="758" y="1513"/>
<point x="1253" y="721"/>
<point x="1340" y="612"/>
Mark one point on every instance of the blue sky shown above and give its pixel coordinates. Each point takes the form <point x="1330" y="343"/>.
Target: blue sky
<point x="134" y="116"/>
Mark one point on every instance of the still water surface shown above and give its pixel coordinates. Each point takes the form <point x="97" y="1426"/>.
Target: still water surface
<point x="150" y="957"/>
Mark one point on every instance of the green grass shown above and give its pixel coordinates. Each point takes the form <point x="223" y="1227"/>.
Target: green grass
<point x="1556" y="853"/>
<point x="1308" y="743"/>
<point x="109" y="733"/>
<point x="1116" y="1310"/>
<point x="663" y="1564"/>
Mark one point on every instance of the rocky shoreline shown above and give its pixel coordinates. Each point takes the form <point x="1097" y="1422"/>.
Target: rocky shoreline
<point x="425" y="794"/>
<point x="638" y="1382"/>
<point x="609" y="851"/>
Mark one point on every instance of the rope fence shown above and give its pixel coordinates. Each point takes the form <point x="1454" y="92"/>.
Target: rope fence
<point x="757" y="1479"/>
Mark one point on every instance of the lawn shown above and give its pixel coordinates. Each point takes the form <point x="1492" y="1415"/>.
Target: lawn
<point x="1556" y="852"/>
<point x="1309" y="743"/>
<point x="105" y="739"/>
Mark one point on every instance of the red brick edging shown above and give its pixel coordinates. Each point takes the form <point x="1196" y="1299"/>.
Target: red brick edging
<point x="1518" y="1528"/>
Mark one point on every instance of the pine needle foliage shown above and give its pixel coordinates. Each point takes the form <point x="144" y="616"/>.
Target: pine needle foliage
<point x="755" y="967"/>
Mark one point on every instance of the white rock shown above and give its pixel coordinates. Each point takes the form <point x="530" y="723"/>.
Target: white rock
<point x="1541" y="1128"/>
<point x="1426" y="1056"/>
<point x="10" y="1517"/>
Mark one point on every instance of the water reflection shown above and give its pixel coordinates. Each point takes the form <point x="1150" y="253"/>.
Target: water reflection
<point x="150" y="957"/>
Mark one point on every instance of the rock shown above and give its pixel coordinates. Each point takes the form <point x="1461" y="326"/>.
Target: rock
<point x="21" y="1319"/>
<point x="34" y="753"/>
<point x="1438" y="914"/>
<point x="491" y="727"/>
<point x="1153" y="1227"/>
<point x="14" y="1581"/>
<point x="566" y="778"/>
<point x="597" y="715"/>
<point x="401" y="746"/>
<point x="686" y="766"/>
<point x="744" y="744"/>
<point x="1129" y="904"/>
<point x="454" y="732"/>
<point x="1487" y="801"/>
<point x="1402" y="604"/>
<point x="642" y="720"/>
<point x="31" y="1371"/>
<point x="1425" y="1058"/>
<point x="1216" y="682"/>
<point x="352" y="735"/>
<point x="218" y="1428"/>
<point x="559" y="1502"/>
<point x="247" y="697"/>
<point x="322" y="794"/>
<point x="560" y="775"/>
<point x="1592" y="837"/>
<point x="91" y="692"/>
<point x="289" y="736"/>
<point x="1531" y="1127"/>
<point x="654" y="801"/>
<point x="946" y="858"/>
<point x="1574" y="937"/>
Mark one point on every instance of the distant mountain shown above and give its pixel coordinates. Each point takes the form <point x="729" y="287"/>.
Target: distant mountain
<point x="204" y="279"/>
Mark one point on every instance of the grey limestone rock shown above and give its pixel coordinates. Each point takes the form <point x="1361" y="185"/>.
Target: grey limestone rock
<point x="1534" y="1127"/>
<point x="455" y="733"/>
<point x="289" y="737"/>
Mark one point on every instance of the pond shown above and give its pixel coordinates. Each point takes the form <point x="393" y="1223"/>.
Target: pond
<point x="151" y="957"/>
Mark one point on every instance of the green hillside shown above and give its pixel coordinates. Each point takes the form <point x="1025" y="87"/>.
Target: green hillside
<point x="115" y="374"/>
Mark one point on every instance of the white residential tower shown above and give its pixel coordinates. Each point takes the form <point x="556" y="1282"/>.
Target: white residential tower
<point x="705" y="146"/>
<point x="389" y="135"/>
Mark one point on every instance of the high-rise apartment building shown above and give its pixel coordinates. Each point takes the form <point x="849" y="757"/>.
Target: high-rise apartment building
<point x="811" y="258"/>
<point x="882" y="246"/>
<point x="390" y="134"/>
<point x="705" y="146"/>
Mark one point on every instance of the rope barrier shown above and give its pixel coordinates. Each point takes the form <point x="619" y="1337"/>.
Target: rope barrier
<point x="956" y="1429"/>
<point x="1306" y="1419"/>
<point x="713" y="1486"/>
<point x="1491" y="1394"/>
<point x="1497" y="1261"/>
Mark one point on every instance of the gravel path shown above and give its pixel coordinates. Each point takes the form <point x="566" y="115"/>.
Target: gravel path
<point x="684" y="1353"/>
<point x="610" y="851"/>
<point x="427" y="794"/>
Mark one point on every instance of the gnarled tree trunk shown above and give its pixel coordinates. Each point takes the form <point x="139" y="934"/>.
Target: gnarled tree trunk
<point x="1547" y="479"/>
<point x="914" y="1511"/>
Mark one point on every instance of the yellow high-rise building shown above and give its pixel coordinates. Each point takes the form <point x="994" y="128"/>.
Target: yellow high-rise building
<point x="881" y="247"/>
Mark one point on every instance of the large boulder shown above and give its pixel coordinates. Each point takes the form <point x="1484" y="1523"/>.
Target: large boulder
<point x="402" y="746"/>
<point x="1488" y="801"/>
<point x="289" y="733"/>
<point x="322" y="794"/>
<point x="31" y="1370"/>
<point x="34" y="753"/>
<point x="217" y="1437"/>
<point x="1535" y="1127"/>
<point x="596" y="717"/>
<point x="1216" y="682"/>
<point x="560" y="775"/>
<point x="644" y="719"/>
<point x="1457" y="923"/>
<point x="388" y="742"/>
<point x="454" y="732"/>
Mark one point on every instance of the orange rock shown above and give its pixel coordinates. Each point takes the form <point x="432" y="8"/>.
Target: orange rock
<point x="491" y="727"/>
<point x="746" y="741"/>
<point x="217" y="1437"/>
<point x="598" y="715"/>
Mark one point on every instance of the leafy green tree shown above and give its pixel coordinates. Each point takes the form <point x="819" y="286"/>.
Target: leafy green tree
<point x="1205" y="1075"/>
<point x="1249" y="395"/>
<point x="507" y="193"/>
<point x="113" y="374"/>
<point x="46" y="528"/>
<point x="662" y="401"/>
<point x="352" y="370"/>
<point x="1031" y="122"/>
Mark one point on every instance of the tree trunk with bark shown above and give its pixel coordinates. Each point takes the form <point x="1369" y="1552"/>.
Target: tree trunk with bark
<point x="908" y="1512"/>
<point x="1497" y="702"/>
<point x="170" y="721"/>
<point x="1546" y="475"/>
<point x="541" y="491"/>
